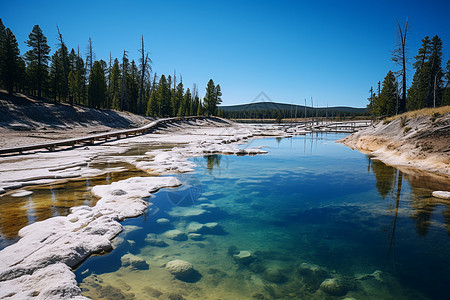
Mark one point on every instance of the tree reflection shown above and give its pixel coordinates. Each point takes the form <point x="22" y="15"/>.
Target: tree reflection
<point x="212" y="161"/>
<point x="385" y="176"/>
<point x="421" y="202"/>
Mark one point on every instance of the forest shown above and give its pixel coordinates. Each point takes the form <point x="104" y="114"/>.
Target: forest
<point x="430" y="82"/>
<point x="122" y="85"/>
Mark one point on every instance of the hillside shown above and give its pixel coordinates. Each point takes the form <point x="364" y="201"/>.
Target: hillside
<point x="272" y="109"/>
<point x="25" y="120"/>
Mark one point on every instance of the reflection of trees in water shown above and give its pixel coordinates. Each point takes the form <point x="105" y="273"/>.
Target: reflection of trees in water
<point x="422" y="184"/>
<point x="212" y="161"/>
<point x="385" y="176"/>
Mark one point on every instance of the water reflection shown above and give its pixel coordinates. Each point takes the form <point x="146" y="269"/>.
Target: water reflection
<point x="212" y="161"/>
<point x="48" y="201"/>
<point x="389" y="182"/>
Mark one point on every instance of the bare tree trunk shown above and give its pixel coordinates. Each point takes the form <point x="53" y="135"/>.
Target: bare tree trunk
<point x="123" y="93"/>
<point x="144" y="65"/>
<point x="403" y="35"/>
<point x="63" y="58"/>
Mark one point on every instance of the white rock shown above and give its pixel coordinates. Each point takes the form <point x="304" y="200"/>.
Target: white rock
<point x="180" y="268"/>
<point x="176" y="235"/>
<point x="186" y="212"/>
<point x="133" y="261"/>
<point x="244" y="257"/>
<point x="163" y="221"/>
<point x="21" y="193"/>
<point x="56" y="281"/>
<point x="441" y="194"/>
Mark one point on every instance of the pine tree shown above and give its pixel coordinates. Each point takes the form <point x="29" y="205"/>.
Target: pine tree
<point x="386" y="101"/>
<point x="2" y="58"/>
<point x="210" y="98"/>
<point x="218" y="98"/>
<point x="63" y="56"/>
<point x="115" y="77"/>
<point x="9" y="63"/>
<point x="164" y="94"/>
<point x="37" y="57"/>
<point x="97" y="86"/>
<point x="153" y="102"/>
<point x="436" y="73"/>
<point x="417" y="93"/>
<point x="177" y="100"/>
<point x="133" y="87"/>
<point x="446" y="90"/>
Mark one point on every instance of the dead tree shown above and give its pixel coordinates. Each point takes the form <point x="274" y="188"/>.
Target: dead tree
<point x="64" y="55"/>
<point x="145" y="66"/>
<point x="399" y="57"/>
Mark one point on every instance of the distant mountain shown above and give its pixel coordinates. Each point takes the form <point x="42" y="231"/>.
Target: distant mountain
<point x="273" y="109"/>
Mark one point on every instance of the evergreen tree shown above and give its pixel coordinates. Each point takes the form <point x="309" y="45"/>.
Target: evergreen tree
<point x="64" y="57"/>
<point x="133" y="87"/>
<point x="37" y="57"/>
<point x="386" y="101"/>
<point x="177" y="100"/>
<point x="2" y="39"/>
<point x="164" y="94"/>
<point x="417" y="93"/>
<point x="153" y="102"/>
<point x="436" y="73"/>
<point x="10" y="61"/>
<point x="115" y="77"/>
<point x="446" y="90"/>
<point x="218" y="98"/>
<point x="97" y="86"/>
<point x="210" y="98"/>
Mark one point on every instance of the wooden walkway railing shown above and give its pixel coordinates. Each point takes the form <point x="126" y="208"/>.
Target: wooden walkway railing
<point x="91" y="139"/>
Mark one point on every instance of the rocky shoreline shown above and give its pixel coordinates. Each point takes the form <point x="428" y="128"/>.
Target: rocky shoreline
<point x="422" y="142"/>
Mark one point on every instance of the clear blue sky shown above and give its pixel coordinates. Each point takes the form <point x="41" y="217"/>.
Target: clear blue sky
<point x="291" y="50"/>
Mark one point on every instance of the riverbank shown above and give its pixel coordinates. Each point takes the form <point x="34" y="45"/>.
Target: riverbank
<point x="421" y="141"/>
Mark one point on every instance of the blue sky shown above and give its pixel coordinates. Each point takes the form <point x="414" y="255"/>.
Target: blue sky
<point x="332" y="51"/>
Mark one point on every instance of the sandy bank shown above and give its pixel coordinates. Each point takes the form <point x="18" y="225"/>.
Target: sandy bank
<point x="421" y="142"/>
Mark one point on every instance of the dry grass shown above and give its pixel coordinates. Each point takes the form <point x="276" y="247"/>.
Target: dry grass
<point x="422" y="112"/>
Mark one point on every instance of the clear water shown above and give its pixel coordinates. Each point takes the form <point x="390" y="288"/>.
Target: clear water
<point x="309" y="200"/>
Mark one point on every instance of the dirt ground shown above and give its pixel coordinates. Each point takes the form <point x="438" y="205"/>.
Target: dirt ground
<point x="27" y="121"/>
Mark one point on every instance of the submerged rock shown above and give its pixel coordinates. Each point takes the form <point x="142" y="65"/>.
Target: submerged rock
<point x="180" y="268"/>
<point x="196" y="236"/>
<point x="208" y="228"/>
<point x="176" y="235"/>
<point x="312" y="275"/>
<point x="337" y="286"/>
<point x="133" y="261"/>
<point x="244" y="257"/>
<point x="21" y="193"/>
<point x="156" y="242"/>
<point x="163" y="221"/>
<point x="186" y="212"/>
<point x="274" y="275"/>
<point x="441" y="194"/>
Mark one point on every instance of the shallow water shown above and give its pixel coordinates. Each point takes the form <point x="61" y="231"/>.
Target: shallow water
<point x="54" y="199"/>
<point x="310" y="201"/>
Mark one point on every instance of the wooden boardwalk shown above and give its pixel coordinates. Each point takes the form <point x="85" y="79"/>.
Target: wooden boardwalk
<point x="103" y="137"/>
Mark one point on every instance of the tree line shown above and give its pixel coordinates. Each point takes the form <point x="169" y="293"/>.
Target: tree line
<point x="430" y="83"/>
<point x="65" y="76"/>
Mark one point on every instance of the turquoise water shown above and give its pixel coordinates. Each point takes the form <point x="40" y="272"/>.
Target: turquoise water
<point x="309" y="210"/>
